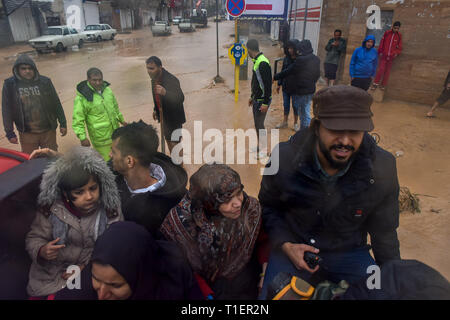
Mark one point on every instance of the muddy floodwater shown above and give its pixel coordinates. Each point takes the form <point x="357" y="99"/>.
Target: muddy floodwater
<point x="423" y="161"/>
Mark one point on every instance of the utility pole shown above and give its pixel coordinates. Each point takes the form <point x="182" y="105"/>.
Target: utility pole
<point x="217" y="79"/>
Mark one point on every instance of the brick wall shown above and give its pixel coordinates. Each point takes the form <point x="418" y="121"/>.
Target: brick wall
<point x="419" y="72"/>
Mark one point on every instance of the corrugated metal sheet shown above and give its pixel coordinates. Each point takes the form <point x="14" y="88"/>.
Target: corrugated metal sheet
<point x="23" y="25"/>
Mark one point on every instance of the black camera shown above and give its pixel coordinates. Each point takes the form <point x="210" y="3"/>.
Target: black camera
<point x="312" y="259"/>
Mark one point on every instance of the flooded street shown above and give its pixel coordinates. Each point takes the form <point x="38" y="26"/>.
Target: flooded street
<point x="421" y="143"/>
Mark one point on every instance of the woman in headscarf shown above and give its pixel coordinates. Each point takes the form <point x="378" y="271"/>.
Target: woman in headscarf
<point x="217" y="225"/>
<point x="128" y="264"/>
<point x="78" y="200"/>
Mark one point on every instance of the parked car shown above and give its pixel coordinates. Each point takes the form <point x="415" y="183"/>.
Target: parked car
<point x="176" y="20"/>
<point x="99" y="32"/>
<point x="161" y="28"/>
<point x="57" y="38"/>
<point x="186" y="25"/>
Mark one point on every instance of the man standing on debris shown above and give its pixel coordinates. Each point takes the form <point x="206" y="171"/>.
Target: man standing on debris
<point x="334" y="187"/>
<point x="335" y="48"/>
<point x="96" y="108"/>
<point x="168" y="99"/>
<point x="261" y="94"/>
<point x="390" y="47"/>
<point x="30" y="101"/>
<point x="364" y="64"/>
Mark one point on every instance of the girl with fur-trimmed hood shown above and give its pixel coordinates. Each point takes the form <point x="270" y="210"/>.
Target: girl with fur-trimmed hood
<point x="77" y="202"/>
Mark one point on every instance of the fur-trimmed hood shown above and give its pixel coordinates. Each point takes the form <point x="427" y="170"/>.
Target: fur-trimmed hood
<point x="92" y="162"/>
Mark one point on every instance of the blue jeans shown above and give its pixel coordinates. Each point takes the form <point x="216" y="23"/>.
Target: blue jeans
<point x="287" y="103"/>
<point x="304" y="103"/>
<point x="350" y="266"/>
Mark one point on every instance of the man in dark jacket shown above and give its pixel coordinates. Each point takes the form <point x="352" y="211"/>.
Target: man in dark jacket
<point x="261" y="95"/>
<point x="149" y="183"/>
<point x="335" y="48"/>
<point x="289" y="83"/>
<point x="307" y="71"/>
<point x="168" y="98"/>
<point x="334" y="186"/>
<point x="30" y="101"/>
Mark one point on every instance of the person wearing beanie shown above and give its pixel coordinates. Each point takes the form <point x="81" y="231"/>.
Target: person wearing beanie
<point x="390" y="47"/>
<point x="334" y="187"/>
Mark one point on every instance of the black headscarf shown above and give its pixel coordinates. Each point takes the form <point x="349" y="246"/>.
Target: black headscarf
<point x="154" y="270"/>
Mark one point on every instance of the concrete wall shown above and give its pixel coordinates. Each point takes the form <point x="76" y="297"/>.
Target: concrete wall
<point x="419" y="72"/>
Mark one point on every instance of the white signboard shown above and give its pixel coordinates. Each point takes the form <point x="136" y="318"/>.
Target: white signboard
<point x="269" y="9"/>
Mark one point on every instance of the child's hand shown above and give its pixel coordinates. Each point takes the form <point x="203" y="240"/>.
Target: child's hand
<point x="50" y="250"/>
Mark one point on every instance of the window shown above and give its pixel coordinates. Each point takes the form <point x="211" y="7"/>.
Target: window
<point x="107" y="27"/>
<point x="92" y="27"/>
<point x="73" y="31"/>
<point x="386" y="24"/>
<point x="65" y="32"/>
<point x="53" y="32"/>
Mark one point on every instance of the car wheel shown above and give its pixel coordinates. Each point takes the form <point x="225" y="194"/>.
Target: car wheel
<point x="112" y="36"/>
<point x="99" y="38"/>
<point x="80" y="43"/>
<point x="59" y="47"/>
<point x="39" y="51"/>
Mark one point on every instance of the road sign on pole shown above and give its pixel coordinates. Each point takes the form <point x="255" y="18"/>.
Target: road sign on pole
<point x="235" y="7"/>
<point x="237" y="53"/>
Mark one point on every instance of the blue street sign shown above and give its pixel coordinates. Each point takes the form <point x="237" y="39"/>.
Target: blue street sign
<point x="235" y="7"/>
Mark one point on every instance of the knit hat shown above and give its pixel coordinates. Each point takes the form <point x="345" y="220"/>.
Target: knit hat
<point x="343" y="108"/>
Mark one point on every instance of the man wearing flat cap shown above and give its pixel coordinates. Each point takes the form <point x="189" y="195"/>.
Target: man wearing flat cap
<point x="333" y="188"/>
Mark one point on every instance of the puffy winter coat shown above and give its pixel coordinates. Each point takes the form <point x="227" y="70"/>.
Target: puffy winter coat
<point x="54" y="220"/>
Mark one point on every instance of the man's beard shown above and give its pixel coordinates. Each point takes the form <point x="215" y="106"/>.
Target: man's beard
<point x="338" y="165"/>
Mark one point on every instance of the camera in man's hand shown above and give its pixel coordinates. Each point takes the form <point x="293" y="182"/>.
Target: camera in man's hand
<point x="312" y="259"/>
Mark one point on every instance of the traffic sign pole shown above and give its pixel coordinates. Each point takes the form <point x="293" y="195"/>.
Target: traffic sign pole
<point x="236" y="68"/>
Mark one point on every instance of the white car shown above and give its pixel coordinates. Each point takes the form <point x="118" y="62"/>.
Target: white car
<point x="57" y="38"/>
<point x="99" y="32"/>
<point x="176" y="20"/>
<point x="186" y="25"/>
<point x="161" y="28"/>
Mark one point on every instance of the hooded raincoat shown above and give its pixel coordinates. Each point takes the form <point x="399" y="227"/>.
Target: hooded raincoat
<point x="99" y="112"/>
<point x="54" y="220"/>
<point x="364" y="61"/>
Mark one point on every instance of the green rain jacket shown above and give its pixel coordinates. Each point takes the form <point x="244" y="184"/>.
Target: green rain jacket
<point x="98" y="112"/>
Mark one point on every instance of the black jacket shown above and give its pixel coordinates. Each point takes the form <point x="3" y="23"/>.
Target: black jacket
<point x="402" y="280"/>
<point x="289" y="82"/>
<point x="172" y="102"/>
<point x="305" y="70"/>
<point x="297" y="206"/>
<point x="149" y="209"/>
<point x="12" y="109"/>
<point x="262" y="82"/>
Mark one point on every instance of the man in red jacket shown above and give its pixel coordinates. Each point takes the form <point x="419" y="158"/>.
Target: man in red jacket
<point x="390" y="47"/>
